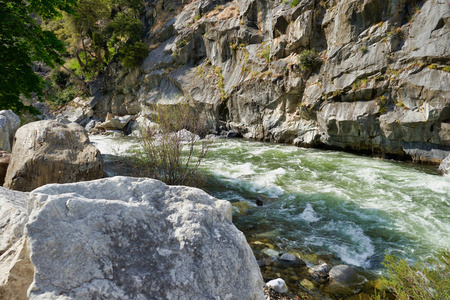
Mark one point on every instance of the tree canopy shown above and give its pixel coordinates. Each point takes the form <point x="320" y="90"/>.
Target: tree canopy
<point x="91" y="31"/>
<point x="23" y="42"/>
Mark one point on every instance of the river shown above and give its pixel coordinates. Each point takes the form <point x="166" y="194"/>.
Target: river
<point x="329" y="205"/>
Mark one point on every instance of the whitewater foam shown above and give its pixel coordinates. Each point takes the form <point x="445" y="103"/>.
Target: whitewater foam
<point x="309" y="214"/>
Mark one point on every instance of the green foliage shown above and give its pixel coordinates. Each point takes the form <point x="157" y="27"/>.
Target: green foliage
<point x="60" y="78"/>
<point x="182" y="43"/>
<point x="309" y="59"/>
<point x="446" y="69"/>
<point x="425" y="280"/>
<point x="359" y="83"/>
<point x="294" y="3"/>
<point x="99" y="30"/>
<point x="23" y="42"/>
<point x="169" y="154"/>
<point x="265" y="53"/>
<point x="62" y="96"/>
<point x="220" y="83"/>
<point x="363" y="49"/>
<point x="130" y="56"/>
<point x="382" y="104"/>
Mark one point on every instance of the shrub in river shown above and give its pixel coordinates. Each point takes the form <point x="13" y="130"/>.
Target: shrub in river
<point x="171" y="154"/>
<point x="425" y="280"/>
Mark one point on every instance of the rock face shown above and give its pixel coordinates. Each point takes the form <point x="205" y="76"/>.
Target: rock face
<point x="5" y="158"/>
<point x="13" y="217"/>
<point x="9" y="123"/>
<point x="128" y="238"/>
<point x="444" y="167"/>
<point x="52" y="152"/>
<point x="383" y="85"/>
<point x="16" y="271"/>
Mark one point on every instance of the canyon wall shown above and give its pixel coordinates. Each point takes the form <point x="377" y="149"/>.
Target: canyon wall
<point x="368" y="76"/>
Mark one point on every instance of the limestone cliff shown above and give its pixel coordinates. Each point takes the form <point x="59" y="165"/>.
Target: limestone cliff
<point x="381" y="84"/>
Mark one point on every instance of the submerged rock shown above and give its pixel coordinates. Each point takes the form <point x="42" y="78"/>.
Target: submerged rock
<point x="344" y="280"/>
<point x="320" y="273"/>
<point x="287" y="260"/>
<point x="128" y="238"/>
<point x="241" y="207"/>
<point x="52" y="152"/>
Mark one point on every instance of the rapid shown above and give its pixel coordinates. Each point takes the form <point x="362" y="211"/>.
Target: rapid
<point x="326" y="205"/>
<point x="352" y="209"/>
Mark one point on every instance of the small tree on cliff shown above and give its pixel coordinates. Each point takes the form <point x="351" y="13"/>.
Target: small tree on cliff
<point x="23" y="42"/>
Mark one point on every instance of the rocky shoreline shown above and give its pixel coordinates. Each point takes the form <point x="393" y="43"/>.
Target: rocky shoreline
<point x="32" y="249"/>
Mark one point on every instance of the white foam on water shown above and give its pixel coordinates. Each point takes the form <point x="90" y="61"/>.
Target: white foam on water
<point x="265" y="183"/>
<point x="355" y="248"/>
<point x="309" y="214"/>
<point x="113" y="146"/>
<point x="369" y="175"/>
<point x="231" y="170"/>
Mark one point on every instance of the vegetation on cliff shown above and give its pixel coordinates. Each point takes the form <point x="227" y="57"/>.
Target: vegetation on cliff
<point x="82" y="37"/>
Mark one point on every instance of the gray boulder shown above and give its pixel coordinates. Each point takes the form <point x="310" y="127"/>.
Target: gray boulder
<point x="52" y="152"/>
<point x="115" y="122"/>
<point x="344" y="280"/>
<point x="13" y="217"/>
<point x="287" y="260"/>
<point x="320" y="272"/>
<point x="128" y="238"/>
<point x="16" y="270"/>
<point x="444" y="167"/>
<point x="9" y="123"/>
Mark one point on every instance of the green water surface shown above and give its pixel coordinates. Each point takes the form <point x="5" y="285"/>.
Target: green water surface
<point x="349" y="208"/>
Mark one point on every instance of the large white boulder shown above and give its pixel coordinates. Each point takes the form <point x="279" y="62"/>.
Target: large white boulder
<point x="129" y="238"/>
<point x="9" y="123"/>
<point x="52" y="152"/>
<point x="16" y="271"/>
<point x="13" y="217"/>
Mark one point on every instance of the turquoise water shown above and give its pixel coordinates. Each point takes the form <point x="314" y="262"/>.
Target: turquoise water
<point x="351" y="209"/>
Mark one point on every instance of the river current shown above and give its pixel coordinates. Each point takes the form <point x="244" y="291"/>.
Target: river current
<point x="352" y="208"/>
<point x="348" y="208"/>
